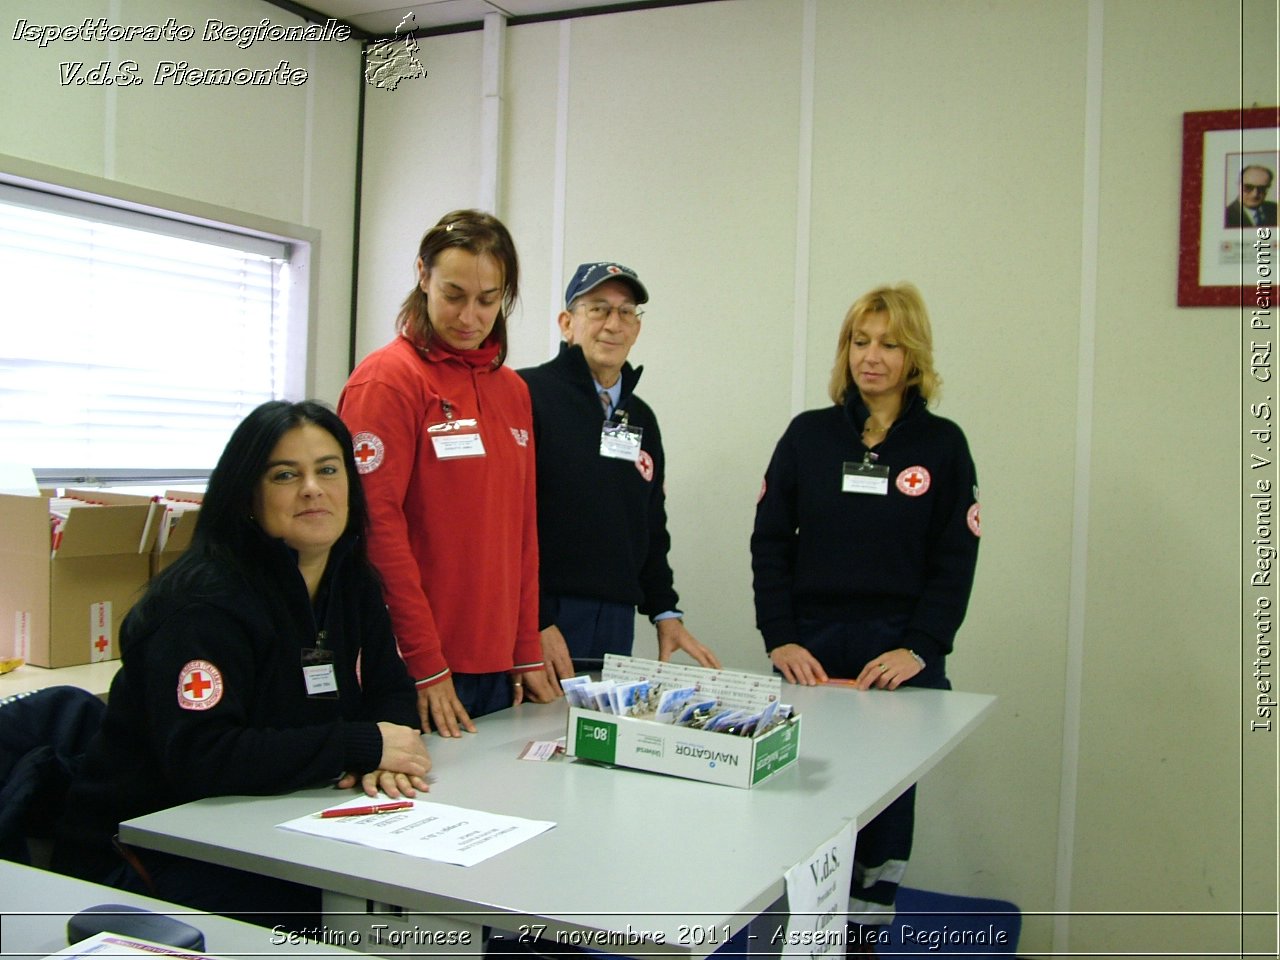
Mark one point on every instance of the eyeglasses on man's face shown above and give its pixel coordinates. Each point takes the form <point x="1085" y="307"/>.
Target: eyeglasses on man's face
<point x="598" y="311"/>
<point x="1261" y="188"/>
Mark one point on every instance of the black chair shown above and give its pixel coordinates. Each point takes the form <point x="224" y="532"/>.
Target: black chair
<point x="43" y="735"/>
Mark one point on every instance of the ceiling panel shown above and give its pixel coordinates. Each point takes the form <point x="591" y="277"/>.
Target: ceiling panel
<point x="379" y="18"/>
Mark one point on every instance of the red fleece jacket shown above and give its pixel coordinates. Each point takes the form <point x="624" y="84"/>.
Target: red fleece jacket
<point x="455" y="539"/>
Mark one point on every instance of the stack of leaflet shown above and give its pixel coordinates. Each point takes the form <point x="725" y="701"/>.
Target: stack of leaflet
<point x="173" y="511"/>
<point x="176" y="526"/>
<point x="738" y="704"/>
<point x="59" y="510"/>
<point x="720" y="726"/>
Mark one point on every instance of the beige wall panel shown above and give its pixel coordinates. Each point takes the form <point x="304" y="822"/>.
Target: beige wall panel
<point x="962" y="173"/>
<point x="421" y="157"/>
<point x="682" y="164"/>
<point x="326" y="173"/>
<point x="1159" y="805"/>
<point x="235" y="146"/>
<point x="44" y="120"/>
<point x="527" y="196"/>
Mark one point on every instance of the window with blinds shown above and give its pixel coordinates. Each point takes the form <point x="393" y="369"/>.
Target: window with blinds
<point x="134" y="343"/>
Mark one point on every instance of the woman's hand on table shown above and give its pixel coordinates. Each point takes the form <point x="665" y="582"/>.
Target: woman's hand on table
<point x="402" y="769"/>
<point x="440" y="709"/>
<point x="798" y="665"/>
<point x="889" y="670"/>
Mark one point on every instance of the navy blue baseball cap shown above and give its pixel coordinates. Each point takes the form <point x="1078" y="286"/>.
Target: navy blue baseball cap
<point x="588" y="276"/>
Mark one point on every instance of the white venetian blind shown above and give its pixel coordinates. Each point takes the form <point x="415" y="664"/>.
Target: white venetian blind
<point x="132" y="343"/>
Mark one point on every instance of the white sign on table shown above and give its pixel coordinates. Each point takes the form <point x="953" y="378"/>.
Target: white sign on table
<point x="818" y="897"/>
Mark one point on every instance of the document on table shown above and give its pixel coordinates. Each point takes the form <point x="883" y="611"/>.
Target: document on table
<point x="432" y="831"/>
<point x="106" y="944"/>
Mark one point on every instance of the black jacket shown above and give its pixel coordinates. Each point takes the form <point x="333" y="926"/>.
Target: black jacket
<point x="257" y="731"/>
<point x="602" y="522"/>
<point x="820" y="553"/>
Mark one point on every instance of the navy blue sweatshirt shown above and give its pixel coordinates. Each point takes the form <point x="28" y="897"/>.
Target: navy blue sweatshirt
<point x="818" y="552"/>
<point x="210" y="698"/>
<point x="602" y="522"/>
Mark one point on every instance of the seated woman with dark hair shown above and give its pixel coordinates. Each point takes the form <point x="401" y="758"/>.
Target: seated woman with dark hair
<point x="261" y="662"/>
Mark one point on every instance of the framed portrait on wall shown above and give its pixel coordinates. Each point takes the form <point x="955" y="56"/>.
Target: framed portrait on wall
<point x="1230" y="160"/>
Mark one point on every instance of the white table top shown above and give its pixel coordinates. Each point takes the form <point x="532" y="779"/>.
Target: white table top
<point x="630" y="848"/>
<point x="94" y="677"/>
<point x="37" y="904"/>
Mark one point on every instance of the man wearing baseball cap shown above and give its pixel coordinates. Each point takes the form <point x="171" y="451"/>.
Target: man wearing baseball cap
<point x="602" y="520"/>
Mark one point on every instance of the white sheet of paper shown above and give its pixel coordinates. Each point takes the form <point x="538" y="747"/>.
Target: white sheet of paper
<point x="432" y="831"/>
<point x="818" y="895"/>
<point x="107" y="944"/>
<point x="541" y="749"/>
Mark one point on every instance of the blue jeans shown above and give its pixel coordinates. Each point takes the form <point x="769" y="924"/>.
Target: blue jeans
<point x="482" y="693"/>
<point x="593" y="628"/>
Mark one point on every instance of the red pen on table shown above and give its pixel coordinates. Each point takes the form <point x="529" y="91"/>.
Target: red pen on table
<point x="365" y="811"/>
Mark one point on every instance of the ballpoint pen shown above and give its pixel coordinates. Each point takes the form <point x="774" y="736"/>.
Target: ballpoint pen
<point x="365" y="811"/>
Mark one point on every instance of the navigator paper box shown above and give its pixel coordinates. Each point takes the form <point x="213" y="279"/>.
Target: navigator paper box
<point x="63" y="607"/>
<point x="682" y="751"/>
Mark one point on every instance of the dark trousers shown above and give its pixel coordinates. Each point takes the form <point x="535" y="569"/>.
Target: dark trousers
<point x="593" y="628"/>
<point x="482" y="693"/>
<point x="249" y="897"/>
<point x="884" y="845"/>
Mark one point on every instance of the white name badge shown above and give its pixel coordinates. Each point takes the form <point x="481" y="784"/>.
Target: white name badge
<point x="620" y="441"/>
<point x="871" y="478"/>
<point x="456" y="438"/>
<point x="320" y="679"/>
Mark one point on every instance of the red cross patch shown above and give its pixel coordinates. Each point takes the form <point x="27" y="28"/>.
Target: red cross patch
<point x="913" y="481"/>
<point x="199" y="685"/>
<point x="368" y="451"/>
<point x="975" y="524"/>
<point x="644" y="463"/>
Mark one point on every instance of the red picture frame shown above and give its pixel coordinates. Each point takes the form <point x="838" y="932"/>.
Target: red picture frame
<point x="1201" y="222"/>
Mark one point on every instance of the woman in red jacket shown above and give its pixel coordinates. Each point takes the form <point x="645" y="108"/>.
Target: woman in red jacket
<point x="443" y="435"/>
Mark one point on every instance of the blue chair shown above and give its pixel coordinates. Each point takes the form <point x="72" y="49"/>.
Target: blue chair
<point x="930" y="924"/>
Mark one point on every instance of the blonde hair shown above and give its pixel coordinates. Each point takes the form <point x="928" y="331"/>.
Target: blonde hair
<point x="908" y="325"/>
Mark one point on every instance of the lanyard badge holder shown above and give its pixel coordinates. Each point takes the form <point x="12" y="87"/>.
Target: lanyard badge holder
<point x="317" y="670"/>
<point x="454" y="439"/>
<point x="865" y="476"/>
<point x="619" y="440"/>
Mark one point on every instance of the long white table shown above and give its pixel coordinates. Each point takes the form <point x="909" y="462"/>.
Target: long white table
<point x="36" y="905"/>
<point x="682" y="862"/>
<point x="94" y="677"/>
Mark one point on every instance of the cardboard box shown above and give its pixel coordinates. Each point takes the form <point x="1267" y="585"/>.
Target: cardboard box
<point x="176" y="527"/>
<point x="65" y="606"/>
<point x="682" y="751"/>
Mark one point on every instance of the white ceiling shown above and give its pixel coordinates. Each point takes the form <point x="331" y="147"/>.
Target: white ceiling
<point x="381" y="17"/>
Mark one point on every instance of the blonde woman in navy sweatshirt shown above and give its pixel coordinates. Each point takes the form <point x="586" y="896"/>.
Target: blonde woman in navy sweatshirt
<point x="865" y="543"/>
